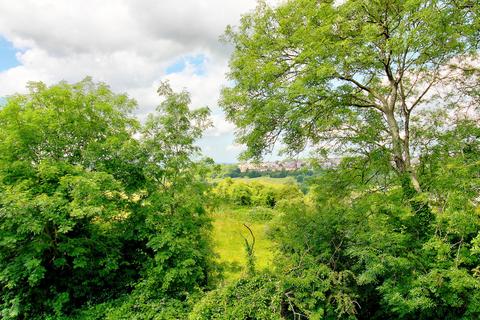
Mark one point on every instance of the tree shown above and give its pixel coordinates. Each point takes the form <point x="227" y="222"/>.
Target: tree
<point x="97" y="209"/>
<point x="169" y="137"/>
<point x="349" y="74"/>
<point x="176" y="225"/>
<point x="62" y="212"/>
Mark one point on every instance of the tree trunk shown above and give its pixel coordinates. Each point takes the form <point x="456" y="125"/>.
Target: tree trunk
<point x="401" y="152"/>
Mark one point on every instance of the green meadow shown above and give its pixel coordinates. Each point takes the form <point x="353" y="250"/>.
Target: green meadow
<point x="229" y="243"/>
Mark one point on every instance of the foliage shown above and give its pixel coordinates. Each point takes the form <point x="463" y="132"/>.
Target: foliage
<point x="256" y="297"/>
<point x="103" y="217"/>
<point x="392" y="232"/>
<point x="88" y="212"/>
<point x="348" y="76"/>
<point x="254" y="193"/>
<point x="233" y="171"/>
<point x="368" y="256"/>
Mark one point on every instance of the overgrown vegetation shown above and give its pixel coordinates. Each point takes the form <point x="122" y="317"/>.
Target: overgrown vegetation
<point x="104" y="217"/>
<point x="89" y="213"/>
<point x="249" y="193"/>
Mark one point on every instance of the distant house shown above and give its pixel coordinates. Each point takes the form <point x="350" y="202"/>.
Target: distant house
<point x="272" y="166"/>
<point x="330" y="162"/>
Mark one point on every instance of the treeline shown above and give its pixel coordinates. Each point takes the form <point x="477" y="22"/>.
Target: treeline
<point x="233" y="171"/>
<point x="254" y="193"/>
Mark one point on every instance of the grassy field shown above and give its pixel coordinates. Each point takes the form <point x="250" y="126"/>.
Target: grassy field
<point x="285" y="180"/>
<point x="229" y="244"/>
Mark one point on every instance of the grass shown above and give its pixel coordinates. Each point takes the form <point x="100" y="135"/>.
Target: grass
<point x="230" y="245"/>
<point x="285" y="180"/>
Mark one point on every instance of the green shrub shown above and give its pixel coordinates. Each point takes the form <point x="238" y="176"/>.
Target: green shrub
<point x="260" y="214"/>
<point x="255" y="193"/>
<point x="258" y="297"/>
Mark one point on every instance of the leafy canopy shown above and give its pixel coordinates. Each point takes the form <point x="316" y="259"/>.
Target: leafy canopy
<point x="96" y="208"/>
<point x="346" y="76"/>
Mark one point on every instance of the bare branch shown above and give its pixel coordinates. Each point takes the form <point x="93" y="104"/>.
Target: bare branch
<point x="251" y="233"/>
<point x="364" y="88"/>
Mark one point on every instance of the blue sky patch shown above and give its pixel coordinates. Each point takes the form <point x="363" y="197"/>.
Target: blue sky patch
<point x="197" y="61"/>
<point x="7" y="55"/>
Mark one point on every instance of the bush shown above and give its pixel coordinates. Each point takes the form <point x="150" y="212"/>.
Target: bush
<point x="257" y="297"/>
<point x="255" y="193"/>
<point x="260" y="214"/>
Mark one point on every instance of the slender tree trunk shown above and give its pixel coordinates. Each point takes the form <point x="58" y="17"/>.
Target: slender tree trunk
<point x="401" y="150"/>
<point x="406" y="149"/>
<point x="397" y="147"/>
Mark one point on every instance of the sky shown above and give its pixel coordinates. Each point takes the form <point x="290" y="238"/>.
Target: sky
<point x="131" y="45"/>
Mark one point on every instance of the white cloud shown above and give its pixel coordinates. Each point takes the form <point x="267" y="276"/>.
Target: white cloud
<point x="220" y="126"/>
<point x="235" y="147"/>
<point x="126" y="43"/>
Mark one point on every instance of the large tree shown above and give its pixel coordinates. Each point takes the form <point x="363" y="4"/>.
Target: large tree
<point x="93" y="204"/>
<point x="350" y="73"/>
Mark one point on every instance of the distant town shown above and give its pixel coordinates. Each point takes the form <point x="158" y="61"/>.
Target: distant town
<point x="286" y="165"/>
<point x="272" y="166"/>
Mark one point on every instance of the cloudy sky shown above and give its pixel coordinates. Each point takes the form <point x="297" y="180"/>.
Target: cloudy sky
<point x="130" y="44"/>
